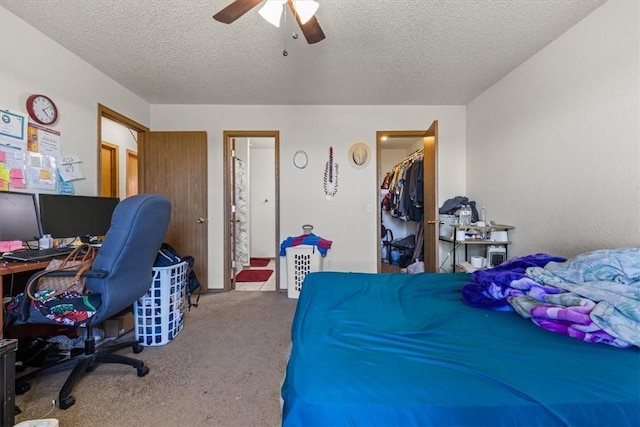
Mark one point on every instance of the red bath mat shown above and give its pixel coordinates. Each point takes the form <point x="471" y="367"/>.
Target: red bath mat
<point x="259" y="262"/>
<point x="253" y="275"/>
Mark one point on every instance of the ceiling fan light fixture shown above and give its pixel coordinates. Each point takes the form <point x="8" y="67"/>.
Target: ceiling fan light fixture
<point x="305" y="9"/>
<point x="272" y="11"/>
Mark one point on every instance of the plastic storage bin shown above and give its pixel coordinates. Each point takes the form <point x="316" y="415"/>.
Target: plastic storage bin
<point x="159" y="314"/>
<point x="301" y="260"/>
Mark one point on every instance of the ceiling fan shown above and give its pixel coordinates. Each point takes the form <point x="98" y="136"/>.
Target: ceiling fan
<point x="271" y="11"/>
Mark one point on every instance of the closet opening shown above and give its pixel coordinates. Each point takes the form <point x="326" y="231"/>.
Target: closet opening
<point x="407" y="196"/>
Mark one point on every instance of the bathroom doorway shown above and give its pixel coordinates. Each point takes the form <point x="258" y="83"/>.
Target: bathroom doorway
<point x="251" y="171"/>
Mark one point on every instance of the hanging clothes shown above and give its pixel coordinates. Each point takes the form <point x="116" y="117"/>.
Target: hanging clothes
<point x="406" y="192"/>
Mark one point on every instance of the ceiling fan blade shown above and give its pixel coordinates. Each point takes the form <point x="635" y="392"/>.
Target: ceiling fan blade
<point x="235" y="10"/>
<point x="311" y="29"/>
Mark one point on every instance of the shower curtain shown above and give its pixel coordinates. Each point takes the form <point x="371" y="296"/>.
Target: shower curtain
<point x="242" y="232"/>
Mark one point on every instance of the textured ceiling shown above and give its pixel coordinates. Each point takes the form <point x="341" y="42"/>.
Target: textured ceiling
<point x="377" y="52"/>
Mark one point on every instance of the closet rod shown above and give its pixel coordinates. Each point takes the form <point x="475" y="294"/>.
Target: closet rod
<point x="415" y="153"/>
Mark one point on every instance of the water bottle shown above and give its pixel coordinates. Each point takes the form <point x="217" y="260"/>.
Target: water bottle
<point x="467" y="214"/>
<point x="45" y="242"/>
<point x="483" y="219"/>
<point x="395" y="258"/>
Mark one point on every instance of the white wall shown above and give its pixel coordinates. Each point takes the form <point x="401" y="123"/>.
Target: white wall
<point x="554" y="147"/>
<point x="262" y="199"/>
<point x="32" y="63"/>
<point x="349" y="219"/>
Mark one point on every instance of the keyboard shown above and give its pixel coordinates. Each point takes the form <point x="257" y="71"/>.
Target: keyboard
<point x="27" y="255"/>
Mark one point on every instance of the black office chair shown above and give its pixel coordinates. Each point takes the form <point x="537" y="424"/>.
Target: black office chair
<point x="121" y="274"/>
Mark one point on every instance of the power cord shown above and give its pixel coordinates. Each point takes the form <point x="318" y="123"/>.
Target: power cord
<point x="455" y="246"/>
<point x="53" y="407"/>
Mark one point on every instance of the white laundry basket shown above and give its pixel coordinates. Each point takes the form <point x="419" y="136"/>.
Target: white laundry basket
<point x="159" y="314"/>
<point x="301" y="260"/>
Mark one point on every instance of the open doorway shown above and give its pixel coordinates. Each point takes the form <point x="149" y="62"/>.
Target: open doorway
<point x="118" y="138"/>
<point x="251" y="171"/>
<point x="407" y="226"/>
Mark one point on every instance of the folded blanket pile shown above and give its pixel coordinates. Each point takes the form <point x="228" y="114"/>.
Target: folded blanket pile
<point x="490" y="288"/>
<point x="594" y="296"/>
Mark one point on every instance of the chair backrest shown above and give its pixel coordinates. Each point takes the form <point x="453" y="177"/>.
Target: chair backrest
<point x="138" y="227"/>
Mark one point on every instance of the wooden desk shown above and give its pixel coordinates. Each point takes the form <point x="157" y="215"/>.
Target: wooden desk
<point x="9" y="268"/>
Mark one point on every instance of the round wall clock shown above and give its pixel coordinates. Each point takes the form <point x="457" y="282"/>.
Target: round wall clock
<point x="42" y="109"/>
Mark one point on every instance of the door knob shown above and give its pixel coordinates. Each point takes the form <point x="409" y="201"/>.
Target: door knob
<point x="201" y="220"/>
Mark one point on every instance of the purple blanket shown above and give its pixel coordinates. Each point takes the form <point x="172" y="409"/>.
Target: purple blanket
<point x="558" y="311"/>
<point x="490" y="288"/>
<point x="550" y="306"/>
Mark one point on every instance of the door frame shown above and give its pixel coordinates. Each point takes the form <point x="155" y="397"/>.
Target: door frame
<point x="227" y="137"/>
<point x="431" y="132"/>
<point x="108" y="113"/>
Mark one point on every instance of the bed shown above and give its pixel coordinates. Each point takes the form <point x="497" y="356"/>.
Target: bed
<point x="406" y="350"/>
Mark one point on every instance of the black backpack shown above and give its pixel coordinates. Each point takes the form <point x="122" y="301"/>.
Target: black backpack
<point x="169" y="256"/>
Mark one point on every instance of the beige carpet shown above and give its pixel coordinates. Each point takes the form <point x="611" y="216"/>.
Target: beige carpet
<point x="224" y="368"/>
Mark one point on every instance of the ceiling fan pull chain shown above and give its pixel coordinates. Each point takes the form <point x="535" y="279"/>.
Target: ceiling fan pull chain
<point x="284" y="12"/>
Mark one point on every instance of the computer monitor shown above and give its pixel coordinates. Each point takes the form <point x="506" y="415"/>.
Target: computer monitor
<point x="19" y="217"/>
<point x="65" y="216"/>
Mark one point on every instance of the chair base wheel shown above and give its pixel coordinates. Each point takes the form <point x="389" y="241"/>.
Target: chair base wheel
<point x="22" y="388"/>
<point x="66" y="402"/>
<point x="142" y="371"/>
<point x="137" y="348"/>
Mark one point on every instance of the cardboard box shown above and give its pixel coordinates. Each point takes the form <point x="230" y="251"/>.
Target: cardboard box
<point x="118" y="326"/>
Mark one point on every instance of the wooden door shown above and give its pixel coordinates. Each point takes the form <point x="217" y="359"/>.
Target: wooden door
<point x="174" y="164"/>
<point x="132" y="173"/>
<point x="109" y="180"/>
<point x="431" y="229"/>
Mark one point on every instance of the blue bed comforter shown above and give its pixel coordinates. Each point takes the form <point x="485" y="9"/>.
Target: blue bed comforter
<point x="405" y="350"/>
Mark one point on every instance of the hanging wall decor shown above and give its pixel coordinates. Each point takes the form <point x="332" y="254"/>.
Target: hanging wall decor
<point x="300" y="159"/>
<point x="330" y="176"/>
<point x="359" y="155"/>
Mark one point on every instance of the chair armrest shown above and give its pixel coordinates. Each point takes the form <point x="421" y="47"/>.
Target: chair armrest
<point x="70" y="273"/>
